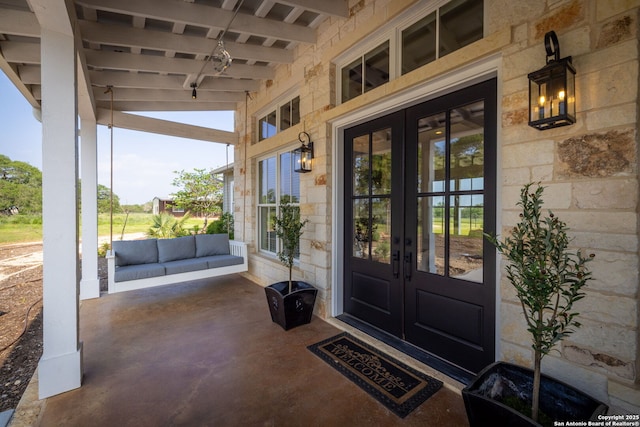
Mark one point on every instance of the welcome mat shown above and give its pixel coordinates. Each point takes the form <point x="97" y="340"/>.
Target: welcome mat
<point x="394" y="384"/>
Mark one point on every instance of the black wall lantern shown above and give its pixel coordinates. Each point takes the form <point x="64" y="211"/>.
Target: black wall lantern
<point x="302" y="156"/>
<point x="552" y="89"/>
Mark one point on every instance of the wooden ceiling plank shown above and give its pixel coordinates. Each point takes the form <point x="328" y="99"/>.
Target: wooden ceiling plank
<point x="205" y="16"/>
<point x="158" y="40"/>
<point x="160" y="64"/>
<point x="19" y="23"/>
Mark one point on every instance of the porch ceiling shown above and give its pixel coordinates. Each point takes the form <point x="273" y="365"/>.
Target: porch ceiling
<point x="152" y="51"/>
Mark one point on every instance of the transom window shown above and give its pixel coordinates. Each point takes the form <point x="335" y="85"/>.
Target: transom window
<point x="282" y="117"/>
<point x="410" y="43"/>
<point x="277" y="183"/>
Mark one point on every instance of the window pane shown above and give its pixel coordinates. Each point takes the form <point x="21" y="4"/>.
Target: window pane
<point x="289" y="180"/>
<point x="431" y="153"/>
<point x="381" y="230"/>
<point x="430" y="244"/>
<point x="295" y="111"/>
<point x="267" y="234"/>
<point x="361" y="229"/>
<point x="352" y="80"/>
<point x="285" y="116"/>
<point x="461" y="23"/>
<point x="419" y="43"/>
<point x="267" y="126"/>
<point x="361" y="165"/>
<point x="467" y="147"/>
<point x="465" y="237"/>
<point x="376" y="68"/>
<point x="267" y="180"/>
<point x="381" y="162"/>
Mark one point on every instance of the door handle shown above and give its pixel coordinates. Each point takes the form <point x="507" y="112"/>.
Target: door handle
<point x="396" y="264"/>
<point x="407" y="266"/>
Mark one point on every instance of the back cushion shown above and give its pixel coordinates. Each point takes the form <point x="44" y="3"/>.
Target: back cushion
<point x="178" y="248"/>
<point x="212" y="244"/>
<point x="133" y="252"/>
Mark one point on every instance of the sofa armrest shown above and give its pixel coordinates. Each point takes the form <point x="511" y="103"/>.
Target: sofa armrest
<point x="239" y="249"/>
<point x="111" y="269"/>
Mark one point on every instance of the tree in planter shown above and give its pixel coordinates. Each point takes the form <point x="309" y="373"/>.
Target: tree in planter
<point x="548" y="278"/>
<point x="288" y="227"/>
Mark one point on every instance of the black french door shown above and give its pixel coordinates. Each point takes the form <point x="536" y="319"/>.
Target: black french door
<point x="419" y="193"/>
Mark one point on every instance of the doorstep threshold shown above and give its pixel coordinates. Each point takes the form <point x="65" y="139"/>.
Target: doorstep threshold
<point x="455" y="372"/>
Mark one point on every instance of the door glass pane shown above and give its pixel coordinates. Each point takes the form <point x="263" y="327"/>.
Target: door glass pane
<point x="360" y="166"/>
<point x="381" y="230"/>
<point x="461" y="23"/>
<point x="431" y="153"/>
<point x="381" y="162"/>
<point x="465" y="237"/>
<point x="361" y="228"/>
<point x="267" y="234"/>
<point x="267" y="180"/>
<point x="419" y="43"/>
<point x="430" y="243"/>
<point x="352" y="80"/>
<point x="467" y="147"/>
<point x="376" y="67"/>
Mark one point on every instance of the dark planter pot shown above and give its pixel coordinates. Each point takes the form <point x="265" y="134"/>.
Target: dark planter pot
<point x="502" y="381"/>
<point x="291" y="309"/>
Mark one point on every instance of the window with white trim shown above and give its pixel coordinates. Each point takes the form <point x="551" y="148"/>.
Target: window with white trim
<point x="410" y="42"/>
<point x="277" y="183"/>
<point x="281" y="117"/>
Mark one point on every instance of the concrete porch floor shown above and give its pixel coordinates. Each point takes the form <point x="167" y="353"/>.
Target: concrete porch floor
<point x="206" y="353"/>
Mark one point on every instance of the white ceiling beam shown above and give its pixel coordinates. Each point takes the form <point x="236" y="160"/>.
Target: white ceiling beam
<point x="166" y="95"/>
<point x="158" y="40"/>
<point x="19" y="23"/>
<point x="17" y="82"/>
<point x="264" y="8"/>
<point x="165" y="127"/>
<point x="30" y="74"/>
<point x="155" y="81"/>
<point x="205" y="16"/>
<point x="160" y="64"/>
<point x="324" y="7"/>
<point x="168" y="106"/>
<point x="55" y="15"/>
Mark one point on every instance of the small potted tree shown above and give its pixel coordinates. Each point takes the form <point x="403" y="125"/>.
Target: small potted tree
<point x="548" y="280"/>
<point x="291" y="302"/>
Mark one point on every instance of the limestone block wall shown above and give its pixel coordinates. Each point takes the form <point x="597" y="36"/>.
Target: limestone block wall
<point x="589" y="169"/>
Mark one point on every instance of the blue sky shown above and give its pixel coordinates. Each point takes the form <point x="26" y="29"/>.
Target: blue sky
<point x="143" y="162"/>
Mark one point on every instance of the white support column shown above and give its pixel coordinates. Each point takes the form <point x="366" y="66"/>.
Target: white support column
<point x="90" y="282"/>
<point x="60" y="368"/>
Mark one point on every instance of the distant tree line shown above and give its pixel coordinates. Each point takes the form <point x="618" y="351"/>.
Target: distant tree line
<point x="21" y="191"/>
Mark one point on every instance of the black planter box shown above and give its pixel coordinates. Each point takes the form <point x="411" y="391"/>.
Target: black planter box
<point x="559" y="401"/>
<point x="291" y="309"/>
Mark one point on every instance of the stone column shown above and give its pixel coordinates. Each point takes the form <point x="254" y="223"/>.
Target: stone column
<point x="60" y="368"/>
<point x="90" y="282"/>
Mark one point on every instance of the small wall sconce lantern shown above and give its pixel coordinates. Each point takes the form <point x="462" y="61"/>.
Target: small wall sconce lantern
<point x="302" y="156"/>
<point x="552" y="97"/>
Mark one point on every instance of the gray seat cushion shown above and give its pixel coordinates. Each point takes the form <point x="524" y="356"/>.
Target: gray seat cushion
<point x="178" y="248"/>
<point x="134" y="252"/>
<point x="184" y="265"/>
<point x="212" y="244"/>
<point x="141" y="271"/>
<point x="223" y="260"/>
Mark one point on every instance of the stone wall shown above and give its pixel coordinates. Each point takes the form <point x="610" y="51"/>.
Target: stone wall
<point x="590" y="169"/>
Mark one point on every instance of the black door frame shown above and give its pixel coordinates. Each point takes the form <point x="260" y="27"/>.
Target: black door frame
<point x="490" y="276"/>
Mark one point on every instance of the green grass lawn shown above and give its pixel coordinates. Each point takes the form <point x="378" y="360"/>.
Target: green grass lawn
<point x="22" y="228"/>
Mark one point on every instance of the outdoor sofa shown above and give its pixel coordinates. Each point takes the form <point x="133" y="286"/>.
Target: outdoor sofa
<point x="137" y="264"/>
